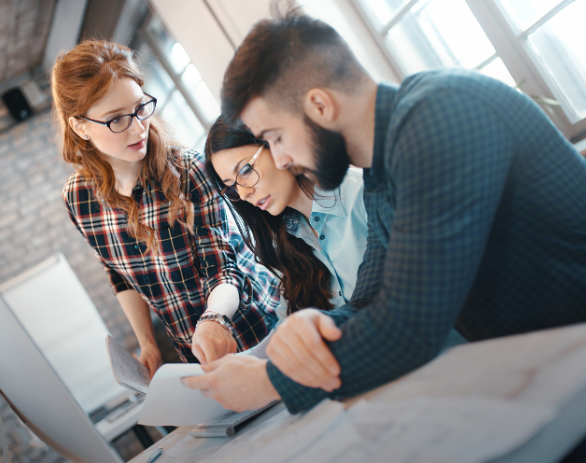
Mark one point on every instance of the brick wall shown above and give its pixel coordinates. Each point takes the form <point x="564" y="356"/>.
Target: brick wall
<point x="34" y="225"/>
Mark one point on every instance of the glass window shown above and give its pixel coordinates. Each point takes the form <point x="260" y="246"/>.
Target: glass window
<point x="191" y="77"/>
<point x="497" y="70"/>
<point x="157" y="82"/>
<point x="524" y="13"/>
<point x="383" y="10"/>
<point x="559" y="47"/>
<point x="187" y="129"/>
<point x="439" y="33"/>
<point x="178" y="58"/>
<point x="207" y="102"/>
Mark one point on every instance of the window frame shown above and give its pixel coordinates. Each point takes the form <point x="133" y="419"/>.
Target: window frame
<point x="147" y="37"/>
<point x="510" y="47"/>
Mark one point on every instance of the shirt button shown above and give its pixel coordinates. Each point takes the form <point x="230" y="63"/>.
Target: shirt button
<point x="340" y="293"/>
<point x="136" y="246"/>
<point x="316" y="219"/>
<point x="322" y="237"/>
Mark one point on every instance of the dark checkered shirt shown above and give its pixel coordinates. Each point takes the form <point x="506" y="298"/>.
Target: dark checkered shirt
<point x="477" y="219"/>
<point x="177" y="281"/>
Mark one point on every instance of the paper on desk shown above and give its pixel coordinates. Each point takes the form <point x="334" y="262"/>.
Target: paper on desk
<point x="127" y="370"/>
<point x="279" y="438"/>
<point x="170" y="403"/>
<point x="470" y="429"/>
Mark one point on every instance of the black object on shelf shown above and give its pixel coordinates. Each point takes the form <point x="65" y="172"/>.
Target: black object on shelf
<point x="17" y="105"/>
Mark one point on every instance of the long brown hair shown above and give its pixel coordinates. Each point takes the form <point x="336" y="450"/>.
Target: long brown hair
<point x="82" y="77"/>
<point x="305" y="280"/>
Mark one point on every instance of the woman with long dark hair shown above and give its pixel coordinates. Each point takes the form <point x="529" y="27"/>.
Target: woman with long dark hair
<point x="145" y="206"/>
<point x="314" y="240"/>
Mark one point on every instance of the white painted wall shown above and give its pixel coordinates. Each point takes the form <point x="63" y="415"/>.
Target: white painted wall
<point x="192" y="24"/>
<point x="67" y="21"/>
<point x="209" y="42"/>
<point x="341" y="15"/>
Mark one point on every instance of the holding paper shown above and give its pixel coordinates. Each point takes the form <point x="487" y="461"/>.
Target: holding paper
<point x="127" y="370"/>
<point x="167" y="402"/>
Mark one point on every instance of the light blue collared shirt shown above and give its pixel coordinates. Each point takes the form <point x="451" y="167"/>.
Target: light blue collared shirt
<point x="339" y="220"/>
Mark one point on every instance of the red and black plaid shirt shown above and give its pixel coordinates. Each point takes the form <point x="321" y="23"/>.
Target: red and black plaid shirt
<point x="178" y="279"/>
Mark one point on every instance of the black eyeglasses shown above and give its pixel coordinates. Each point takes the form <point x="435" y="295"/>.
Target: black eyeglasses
<point x="121" y="123"/>
<point x="246" y="177"/>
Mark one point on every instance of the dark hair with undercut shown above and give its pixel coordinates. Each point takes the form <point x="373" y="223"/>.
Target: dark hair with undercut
<point x="305" y="280"/>
<point x="281" y="59"/>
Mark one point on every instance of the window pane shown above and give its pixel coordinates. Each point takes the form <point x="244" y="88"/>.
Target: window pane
<point x="157" y="82"/>
<point x="186" y="127"/>
<point x="200" y="144"/>
<point x="559" y="46"/>
<point x="178" y="58"/>
<point x="191" y="77"/>
<point x="497" y="70"/>
<point x="206" y="102"/>
<point x="439" y="33"/>
<point x="382" y="11"/>
<point x="524" y="13"/>
<point x="173" y="51"/>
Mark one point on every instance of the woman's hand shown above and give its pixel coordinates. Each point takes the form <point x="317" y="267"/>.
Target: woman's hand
<point x="297" y="348"/>
<point x="212" y="341"/>
<point x="150" y="357"/>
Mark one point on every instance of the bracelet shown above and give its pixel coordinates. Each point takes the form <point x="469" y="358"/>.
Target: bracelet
<point x="223" y="320"/>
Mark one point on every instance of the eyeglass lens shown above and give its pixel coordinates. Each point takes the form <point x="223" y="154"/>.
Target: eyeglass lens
<point x="120" y="124"/>
<point x="247" y="177"/>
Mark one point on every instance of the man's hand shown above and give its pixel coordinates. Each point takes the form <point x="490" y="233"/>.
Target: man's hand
<point x="237" y="382"/>
<point x="297" y="348"/>
<point x="211" y="341"/>
<point x="150" y="357"/>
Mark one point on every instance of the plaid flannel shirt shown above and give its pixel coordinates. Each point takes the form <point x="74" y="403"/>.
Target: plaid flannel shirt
<point x="177" y="281"/>
<point x="477" y="216"/>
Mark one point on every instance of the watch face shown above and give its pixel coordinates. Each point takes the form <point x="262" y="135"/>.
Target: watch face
<point x="227" y="320"/>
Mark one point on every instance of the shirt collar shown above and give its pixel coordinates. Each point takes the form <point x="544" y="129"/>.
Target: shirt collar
<point x="328" y="202"/>
<point x="385" y="96"/>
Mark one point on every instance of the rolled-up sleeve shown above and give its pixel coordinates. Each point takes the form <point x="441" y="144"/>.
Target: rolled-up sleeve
<point x="449" y="182"/>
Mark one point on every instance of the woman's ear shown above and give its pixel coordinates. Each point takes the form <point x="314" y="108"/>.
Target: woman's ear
<point x="321" y="107"/>
<point x="78" y="127"/>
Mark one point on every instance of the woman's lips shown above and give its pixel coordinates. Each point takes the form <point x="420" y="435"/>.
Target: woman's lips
<point x="137" y="146"/>
<point x="264" y="203"/>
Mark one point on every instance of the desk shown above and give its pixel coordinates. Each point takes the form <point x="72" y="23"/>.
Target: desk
<point x="546" y="368"/>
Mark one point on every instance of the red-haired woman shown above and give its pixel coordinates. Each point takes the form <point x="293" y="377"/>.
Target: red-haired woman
<point x="147" y="209"/>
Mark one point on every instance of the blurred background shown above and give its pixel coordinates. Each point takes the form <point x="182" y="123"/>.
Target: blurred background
<point x="184" y="47"/>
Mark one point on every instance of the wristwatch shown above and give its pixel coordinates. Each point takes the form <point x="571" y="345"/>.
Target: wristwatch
<point x="223" y="320"/>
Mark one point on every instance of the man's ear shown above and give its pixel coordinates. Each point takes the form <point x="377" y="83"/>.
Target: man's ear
<point x="78" y="127"/>
<point x="321" y="107"/>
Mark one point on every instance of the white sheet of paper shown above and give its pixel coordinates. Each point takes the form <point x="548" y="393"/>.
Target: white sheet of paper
<point x="127" y="370"/>
<point x="170" y="403"/>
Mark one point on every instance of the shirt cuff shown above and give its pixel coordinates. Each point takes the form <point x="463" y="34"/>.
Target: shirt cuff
<point x="117" y="282"/>
<point x="296" y="397"/>
<point x="212" y="283"/>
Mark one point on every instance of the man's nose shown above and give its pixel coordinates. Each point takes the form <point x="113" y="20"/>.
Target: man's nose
<point x="282" y="160"/>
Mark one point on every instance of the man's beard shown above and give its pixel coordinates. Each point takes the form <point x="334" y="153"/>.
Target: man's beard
<point x="330" y="154"/>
